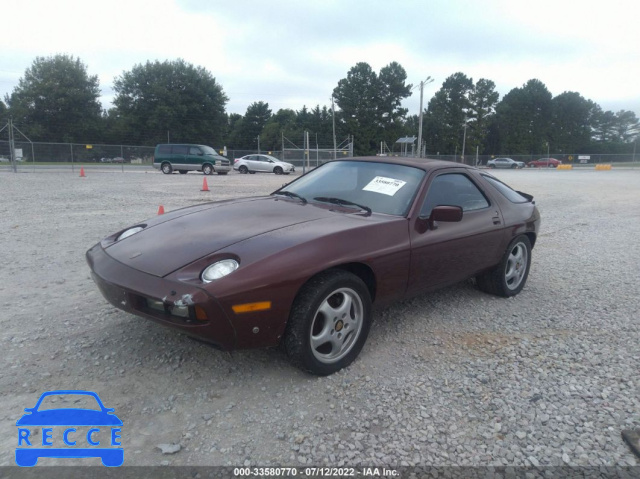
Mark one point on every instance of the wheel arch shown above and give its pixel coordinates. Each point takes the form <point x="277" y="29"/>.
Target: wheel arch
<point x="532" y="238"/>
<point x="361" y="270"/>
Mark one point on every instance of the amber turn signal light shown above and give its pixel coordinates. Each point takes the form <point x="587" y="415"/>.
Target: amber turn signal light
<point x="251" y="307"/>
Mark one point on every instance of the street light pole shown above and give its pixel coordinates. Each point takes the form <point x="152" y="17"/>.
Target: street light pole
<point x="426" y="81"/>
<point x="464" y="138"/>
<point x="333" y="118"/>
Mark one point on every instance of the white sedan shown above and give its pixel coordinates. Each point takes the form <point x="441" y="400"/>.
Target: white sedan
<point x="505" y="163"/>
<point x="262" y="164"/>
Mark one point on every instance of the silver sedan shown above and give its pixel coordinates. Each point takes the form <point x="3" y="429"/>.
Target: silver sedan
<point x="505" y="163"/>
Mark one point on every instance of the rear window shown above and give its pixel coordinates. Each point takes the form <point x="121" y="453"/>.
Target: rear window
<point x="166" y="149"/>
<point x="505" y="190"/>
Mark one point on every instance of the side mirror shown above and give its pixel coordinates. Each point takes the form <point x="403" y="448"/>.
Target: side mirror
<point x="448" y="214"/>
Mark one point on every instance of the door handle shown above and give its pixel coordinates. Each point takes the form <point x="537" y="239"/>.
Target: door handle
<point x="496" y="218"/>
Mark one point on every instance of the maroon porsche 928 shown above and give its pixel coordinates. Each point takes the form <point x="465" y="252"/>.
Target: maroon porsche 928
<point x="302" y="267"/>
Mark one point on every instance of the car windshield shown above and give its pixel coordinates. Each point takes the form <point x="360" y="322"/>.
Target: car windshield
<point x="67" y="401"/>
<point x="383" y="187"/>
<point x="209" y="151"/>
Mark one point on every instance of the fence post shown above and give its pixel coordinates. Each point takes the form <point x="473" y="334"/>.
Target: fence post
<point x="71" y="148"/>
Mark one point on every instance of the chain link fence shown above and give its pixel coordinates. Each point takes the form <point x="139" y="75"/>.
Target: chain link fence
<point x="36" y="152"/>
<point x="566" y="158"/>
<point x="76" y="154"/>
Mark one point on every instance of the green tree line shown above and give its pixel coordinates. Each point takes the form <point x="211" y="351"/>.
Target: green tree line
<point x="57" y="100"/>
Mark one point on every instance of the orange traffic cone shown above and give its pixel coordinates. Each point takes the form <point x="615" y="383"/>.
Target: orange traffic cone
<point x="82" y="175"/>
<point x="161" y="210"/>
<point x="205" y="187"/>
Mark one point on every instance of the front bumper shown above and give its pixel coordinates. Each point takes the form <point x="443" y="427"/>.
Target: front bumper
<point x="139" y="293"/>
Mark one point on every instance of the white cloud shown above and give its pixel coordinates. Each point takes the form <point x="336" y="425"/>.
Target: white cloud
<point x="290" y="53"/>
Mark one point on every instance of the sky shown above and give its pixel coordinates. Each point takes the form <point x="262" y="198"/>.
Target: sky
<point x="292" y="53"/>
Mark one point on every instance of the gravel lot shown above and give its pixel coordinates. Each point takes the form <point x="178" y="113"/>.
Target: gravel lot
<point x="458" y="377"/>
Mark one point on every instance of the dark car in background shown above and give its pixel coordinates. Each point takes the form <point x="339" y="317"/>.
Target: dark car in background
<point x="304" y="266"/>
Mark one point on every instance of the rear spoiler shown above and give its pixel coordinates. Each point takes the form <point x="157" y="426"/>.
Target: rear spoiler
<point x="527" y="196"/>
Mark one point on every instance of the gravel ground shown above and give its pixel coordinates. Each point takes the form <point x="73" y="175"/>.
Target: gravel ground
<point x="457" y="377"/>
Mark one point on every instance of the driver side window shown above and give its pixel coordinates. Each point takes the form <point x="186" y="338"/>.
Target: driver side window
<point x="453" y="189"/>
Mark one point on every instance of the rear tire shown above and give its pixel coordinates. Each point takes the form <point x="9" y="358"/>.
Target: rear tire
<point x="166" y="168"/>
<point x="329" y="323"/>
<point x="243" y="170"/>
<point x="510" y="275"/>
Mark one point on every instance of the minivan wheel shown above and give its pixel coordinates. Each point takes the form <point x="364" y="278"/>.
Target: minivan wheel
<point x="183" y="172"/>
<point x="207" y="169"/>
<point x="166" y="168"/>
<point x="329" y="322"/>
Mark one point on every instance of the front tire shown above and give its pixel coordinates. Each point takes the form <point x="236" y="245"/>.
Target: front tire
<point x="510" y="275"/>
<point x="277" y="170"/>
<point x="207" y="169"/>
<point x="329" y="323"/>
<point x="166" y="168"/>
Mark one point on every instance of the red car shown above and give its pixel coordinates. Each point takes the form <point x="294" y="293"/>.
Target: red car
<point x="303" y="267"/>
<point x="545" y="162"/>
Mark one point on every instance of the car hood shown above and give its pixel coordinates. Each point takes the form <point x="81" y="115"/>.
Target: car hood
<point x="184" y="236"/>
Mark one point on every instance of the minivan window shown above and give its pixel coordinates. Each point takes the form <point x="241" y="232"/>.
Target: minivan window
<point x="180" y="149"/>
<point x="164" y="149"/>
<point x="194" y="150"/>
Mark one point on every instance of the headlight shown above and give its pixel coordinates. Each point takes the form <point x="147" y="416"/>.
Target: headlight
<point x="129" y="232"/>
<point x="219" y="270"/>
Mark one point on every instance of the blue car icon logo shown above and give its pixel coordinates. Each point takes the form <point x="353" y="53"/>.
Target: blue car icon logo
<point x="84" y="431"/>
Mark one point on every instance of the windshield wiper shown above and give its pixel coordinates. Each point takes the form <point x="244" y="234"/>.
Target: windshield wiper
<point x="341" y="202"/>
<point x="291" y="194"/>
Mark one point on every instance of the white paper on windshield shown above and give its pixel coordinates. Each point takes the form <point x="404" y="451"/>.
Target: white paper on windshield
<point x="384" y="185"/>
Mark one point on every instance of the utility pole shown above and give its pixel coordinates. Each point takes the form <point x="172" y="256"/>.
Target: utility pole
<point x="464" y="138"/>
<point x="12" y="150"/>
<point x="282" y="139"/>
<point x="333" y="115"/>
<point x="258" y="144"/>
<point x="426" y="81"/>
<point x="308" y="152"/>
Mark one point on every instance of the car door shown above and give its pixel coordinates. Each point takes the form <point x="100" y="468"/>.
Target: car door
<point x="263" y="164"/>
<point x="253" y="162"/>
<point x="194" y="158"/>
<point x="179" y="156"/>
<point x="449" y="252"/>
